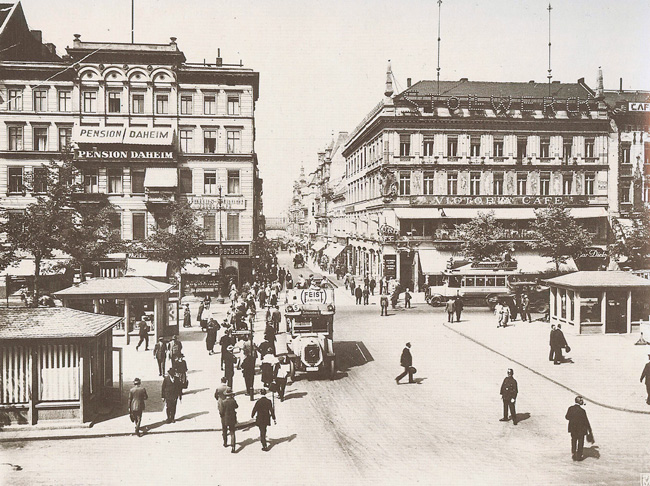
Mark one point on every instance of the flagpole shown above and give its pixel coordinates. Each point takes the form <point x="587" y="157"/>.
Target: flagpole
<point x="132" y="20"/>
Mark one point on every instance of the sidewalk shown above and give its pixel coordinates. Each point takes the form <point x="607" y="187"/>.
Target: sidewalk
<point x="605" y="369"/>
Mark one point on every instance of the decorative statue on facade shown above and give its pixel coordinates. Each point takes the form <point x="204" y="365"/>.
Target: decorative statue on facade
<point x="388" y="184"/>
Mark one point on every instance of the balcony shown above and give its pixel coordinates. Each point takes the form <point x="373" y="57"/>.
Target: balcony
<point x="158" y="197"/>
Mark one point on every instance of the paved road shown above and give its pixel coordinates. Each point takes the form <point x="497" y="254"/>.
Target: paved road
<point x="362" y="427"/>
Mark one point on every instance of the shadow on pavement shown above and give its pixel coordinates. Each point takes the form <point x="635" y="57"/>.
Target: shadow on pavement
<point x="192" y="392"/>
<point x="522" y="416"/>
<point x="591" y="452"/>
<point x="350" y="354"/>
<point x="273" y="442"/>
<point x="290" y="396"/>
<point x="418" y="381"/>
<point x="192" y="415"/>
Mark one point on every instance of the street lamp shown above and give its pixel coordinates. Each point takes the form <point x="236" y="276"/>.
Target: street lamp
<point x="220" y="279"/>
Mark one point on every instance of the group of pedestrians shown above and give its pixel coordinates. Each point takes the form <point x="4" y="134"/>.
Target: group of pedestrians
<point x="454" y="307"/>
<point x="557" y="343"/>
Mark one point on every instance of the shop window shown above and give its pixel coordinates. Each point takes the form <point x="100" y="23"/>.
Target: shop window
<point x="138" y="103"/>
<point x="139" y="226"/>
<point x="209" y="141"/>
<point x="91" y="181"/>
<point x="65" y="137"/>
<point x="40" y="139"/>
<point x="65" y="101"/>
<point x="590" y="306"/>
<point x="137" y="181"/>
<point x="209" y="227"/>
<point x="186" y="181"/>
<point x="114" y="101"/>
<point x="16" y="180"/>
<point x="405" y="145"/>
<point x="186" y="104"/>
<point x="233" y="104"/>
<point x="233" y="227"/>
<point x="15" y="100"/>
<point x="233" y="182"/>
<point x="209" y="104"/>
<point x="640" y="306"/>
<point x="475" y="183"/>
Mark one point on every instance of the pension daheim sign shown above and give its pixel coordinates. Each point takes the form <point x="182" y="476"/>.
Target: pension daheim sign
<point x="122" y="135"/>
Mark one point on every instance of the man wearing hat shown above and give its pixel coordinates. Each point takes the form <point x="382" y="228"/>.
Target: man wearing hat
<point x="229" y="419"/>
<point x="509" y="392"/>
<point x="137" y="396"/>
<point x="406" y="361"/>
<point x="578" y="427"/>
<point x="160" y="353"/>
<point x="646" y="375"/>
<point x="264" y="410"/>
<point x="171" y="392"/>
<point x="143" y="333"/>
<point x="248" y="370"/>
<point x="226" y="340"/>
<point x="229" y="364"/>
<point x="175" y="348"/>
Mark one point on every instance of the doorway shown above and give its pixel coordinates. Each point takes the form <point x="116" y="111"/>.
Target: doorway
<point x="616" y="317"/>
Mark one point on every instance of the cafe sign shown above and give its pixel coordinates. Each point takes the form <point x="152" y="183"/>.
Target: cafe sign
<point x="123" y="135"/>
<point x="227" y="249"/>
<point x="593" y="253"/>
<point x="633" y="106"/>
<point x="488" y="201"/>
<point x="211" y="203"/>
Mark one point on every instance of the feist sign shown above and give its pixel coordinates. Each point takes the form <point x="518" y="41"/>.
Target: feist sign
<point x="313" y="296"/>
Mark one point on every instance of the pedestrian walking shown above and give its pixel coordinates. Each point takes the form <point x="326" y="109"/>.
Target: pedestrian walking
<point x="199" y="314"/>
<point x="509" y="392"/>
<point x="358" y="293"/>
<point x="525" y="309"/>
<point x="459" y="305"/>
<point x="137" y="397"/>
<point x="229" y="419"/>
<point x="276" y="318"/>
<point x="207" y="301"/>
<point x="220" y="395"/>
<point x="229" y="365"/>
<point x="366" y="295"/>
<point x="646" y="375"/>
<point x="175" y="348"/>
<point x="551" y="353"/>
<point x="160" y="353"/>
<point x="248" y="370"/>
<point x="267" y="368"/>
<point x="282" y="376"/>
<point x="578" y="427"/>
<point x="264" y="411"/>
<point x="383" y="303"/>
<point x="211" y="336"/>
<point x="187" y="316"/>
<point x="352" y="286"/>
<point x="226" y="340"/>
<point x="143" y="332"/>
<point x="558" y="342"/>
<point x="451" y="309"/>
<point x="406" y="362"/>
<point x="407" y="299"/>
<point x="373" y="284"/>
<point x="504" y="315"/>
<point x="171" y="393"/>
<point x="180" y="368"/>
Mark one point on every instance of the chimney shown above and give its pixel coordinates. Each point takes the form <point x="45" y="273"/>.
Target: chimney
<point x="38" y="35"/>
<point x="408" y="82"/>
<point x="77" y="40"/>
<point x="620" y="89"/>
<point x="219" y="60"/>
<point x="51" y="47"/>
<point x="173" y="41"/>
<point x="389" y="82"/>
<point x="600" y="90"/>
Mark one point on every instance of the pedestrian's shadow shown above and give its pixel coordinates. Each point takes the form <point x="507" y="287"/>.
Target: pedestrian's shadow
<point x="192" y="415"/>
<point x="293" y="395"/>
<point x="192" y="392"/>
<point x="418" y="381"/>
<point x="149" y="427"/>
<point x="591" y="452"/>
<point x="245" y="443"/>
<point x="522" y="416"/>
<point x="273" y="442"/>
<point x="249" y="424"/>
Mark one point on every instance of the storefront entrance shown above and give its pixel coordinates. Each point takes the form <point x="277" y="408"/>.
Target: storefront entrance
<point x="616" y="317"/>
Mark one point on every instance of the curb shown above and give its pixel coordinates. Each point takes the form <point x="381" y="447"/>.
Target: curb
<point x="555" y="382"/>
<point x="103" y="435"/>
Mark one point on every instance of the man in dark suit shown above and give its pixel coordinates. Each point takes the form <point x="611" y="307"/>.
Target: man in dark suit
<point x="358" y="293"/>
<point x="406" y="361"/>
<point x="578" y="427"/>
<point x="264" y="410"/>
<point x="143" y="333"/>
<point x="160" y="353"/>
<point x="558" y="341"/>
<point x="248" y="370"/>
<point x="646" y="375"/>
<point x="171" y="392"/>
<point x="509" y="392"/>
<point x="229" y="365"/>
<point x="137" y="396"/>
<point x="229" y="419"/>
<point x="551" y="353"/>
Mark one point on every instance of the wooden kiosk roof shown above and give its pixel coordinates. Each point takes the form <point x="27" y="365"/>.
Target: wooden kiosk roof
<point x="115" y="287"/>
<point x="595" y="279"/>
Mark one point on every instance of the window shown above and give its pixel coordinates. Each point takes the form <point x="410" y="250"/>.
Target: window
<point x="209" y="141"/>
<point x="626" y="188"/>
<point x="91" y="181"/>
<point x="429" y="187"/>
<point x="115" y="181"/>
<point x="40" y="180"/>
<point x="233" y="226"/>
<point x="15" y="100"/>
<point x="452" y="146"/>
<point x="452" y="183"/>
<point x="522" y="144"/>
<point x="234" y="142"/>
<point x="65" y="101"/>
<point x="475" y="147"/>
<point x="233" y="104"/>
<point x="590" y="306"/>
<point x="497" y="183"/>
<point x="137" y="102"/>
<point x="162" y="104"/>
<point x="428" y="147"/>
<point x="475" y="183"/>
<point x="90" y="101"/>
<point x="65" y="136"/>
<point x="186" y="181"/>
<point x="40" y="100"/>
<point x="646" y="154"/>
<point x="114" y="101"/>
<point x="567" y="149"/>
<point x="115" y="221"/>
<point x="544" y="148"/>
<point x="567" y="184"/>
<point x="590" y="182"/>
<point x="233" y="182"/>
<point x="139" y="229"/>
<point x="186" y="140"/>
<point x="209" y="104"/>
<point x="589" y="147"/>
<point x="137" y="181"/>
<point x="16" y="181"/>
<point x="209" y="227"/>
<point x="186" y="104"/>
<point x="625" y="153"/>
<point x="210" y="182"/>
<point x="404" y="183"/>
<point x="15" y="138"/>
<point x="498" y="148"/>
<point x="545" y="183"/>
<point x="404" y="145"/>
<point x="522" y="182"/>
<point x="40" y="139"/>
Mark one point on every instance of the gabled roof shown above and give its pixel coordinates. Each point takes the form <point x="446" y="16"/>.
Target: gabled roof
<point x="131" y="286"/>
<point x="52" y="323"/>
<point x="600" y="280"/>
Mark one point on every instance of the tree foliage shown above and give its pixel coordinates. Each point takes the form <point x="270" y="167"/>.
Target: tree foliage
<point x="632" y="246"/>
<point x="557" y="234"/>
<point x="483" y="238"/>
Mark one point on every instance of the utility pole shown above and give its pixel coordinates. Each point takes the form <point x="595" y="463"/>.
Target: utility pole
<point x="549" y="48"/>
<point x="132" y="20"/>
<point x="438" y="68"/>
<point x="221" y="279"/>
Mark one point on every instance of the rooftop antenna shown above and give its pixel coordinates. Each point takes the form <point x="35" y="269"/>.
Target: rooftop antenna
<point x="549" y="49"/>
<point x="438" y="68"/>
<point x="132" y="20"/>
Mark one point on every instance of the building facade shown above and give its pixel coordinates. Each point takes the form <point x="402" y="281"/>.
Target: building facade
<point x="147" y="127"/>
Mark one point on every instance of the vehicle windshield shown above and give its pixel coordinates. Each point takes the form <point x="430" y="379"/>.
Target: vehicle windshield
<point x="304" y="324"/>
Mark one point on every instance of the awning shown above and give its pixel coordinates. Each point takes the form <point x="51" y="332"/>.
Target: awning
<point x="333" y="251"/>
<point x="583" y="213"/>
<point x="161" y="177"/>
<point x="417" y="213"/>
<point x="26" y="268"/>
<point x="141" y="267"/>
<point x="432" y="261"/>
<point x="532" y="263"/>
<point x="211" y="265"/>
<point x="319" y="245"/>
<point x="499" y="213"/>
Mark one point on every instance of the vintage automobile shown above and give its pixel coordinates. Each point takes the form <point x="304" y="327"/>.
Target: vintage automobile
<point x="477" y="286"/>
<point x="537" y="295"/>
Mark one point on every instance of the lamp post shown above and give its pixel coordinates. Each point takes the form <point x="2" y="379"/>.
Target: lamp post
<point x="220" y="279"/>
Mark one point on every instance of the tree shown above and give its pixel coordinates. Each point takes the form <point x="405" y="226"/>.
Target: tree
<point x="178" y="240"/>
<point x="483" y="238"/>
<point x="557" y="234"/>
<point x="633" y="243"/>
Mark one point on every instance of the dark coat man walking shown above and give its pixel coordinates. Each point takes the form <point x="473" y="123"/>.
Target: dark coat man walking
<point x="229" y="419"/>
<point x="358" y="293"/>
<point x="450" y="307"/>
<point x="137" y="397"/>
<point x="160" y="353"/>
<point x="579" y="426"/>
<point x="264" y="410"/>
<point x="211" y="337"/>
<point x="406" y="361"/>
<point x="558" y="341"/>
<point x="248" y="370"/>
<point x="458" y="307"/>
<point x="509" y="392"/>
<point x="143" y="333"/>
<point x="171" y="392"/>
<point x="383" y="302"/>
<point x="646" y="375"/>
<point x="229" y="365"/>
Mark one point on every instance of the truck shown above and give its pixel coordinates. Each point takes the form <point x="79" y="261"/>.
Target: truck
<point x="308" y="341"/>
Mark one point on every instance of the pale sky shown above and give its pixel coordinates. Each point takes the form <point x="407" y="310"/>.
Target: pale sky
<point x="322" y="64"/>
